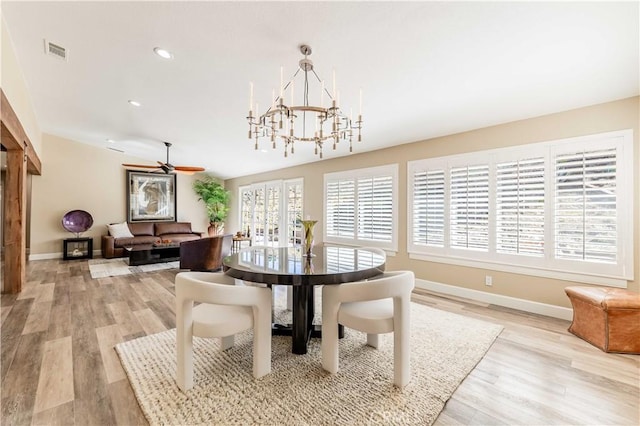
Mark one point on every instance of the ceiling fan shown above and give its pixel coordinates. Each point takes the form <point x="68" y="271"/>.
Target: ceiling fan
<point x="167" y="167"/>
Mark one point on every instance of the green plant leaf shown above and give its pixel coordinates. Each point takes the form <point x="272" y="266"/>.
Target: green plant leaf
<point x="215" y="198"/>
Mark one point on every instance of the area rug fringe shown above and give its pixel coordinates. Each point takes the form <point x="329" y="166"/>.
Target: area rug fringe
<point x="445" y="347"/>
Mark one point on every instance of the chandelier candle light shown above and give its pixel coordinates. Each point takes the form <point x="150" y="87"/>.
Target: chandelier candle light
<point x="304" y="122"/>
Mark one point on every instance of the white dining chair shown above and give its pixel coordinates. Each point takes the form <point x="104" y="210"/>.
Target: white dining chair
<point x="224" y="310"/>
<point x="376" y="306"/>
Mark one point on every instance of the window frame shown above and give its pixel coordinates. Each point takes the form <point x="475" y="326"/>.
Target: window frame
<point x="615" y="275"/>
<point x="391" y="170"/>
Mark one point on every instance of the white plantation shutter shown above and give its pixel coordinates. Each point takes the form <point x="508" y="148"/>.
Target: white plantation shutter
<point x="360" y="207"/>
<point x="428" y="208"/>
<point x="520" y="207"/>
<point x="469" y="207"/>
<point x="375" y="208"/>
<point x="340" y="207"/>
<point x="586" y="206"/>
<point x="561" y="209"/>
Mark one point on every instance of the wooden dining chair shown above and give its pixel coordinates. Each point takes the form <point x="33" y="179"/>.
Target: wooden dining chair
<point x="378" y="305"/>
<point x="225" y="309"/>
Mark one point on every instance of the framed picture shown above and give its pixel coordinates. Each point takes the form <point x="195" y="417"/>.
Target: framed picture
<point x="150" y="196"/>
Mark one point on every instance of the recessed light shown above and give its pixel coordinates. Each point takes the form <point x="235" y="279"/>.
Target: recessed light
<point x="263" y="150"/>
<point x="111" y="141"/>
<point x="134" y="103"/>
<point x="163" y="53"/>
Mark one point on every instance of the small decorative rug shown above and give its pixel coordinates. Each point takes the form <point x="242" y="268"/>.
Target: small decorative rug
<point x="445" y="347"/>
<point x="102" y="268"/>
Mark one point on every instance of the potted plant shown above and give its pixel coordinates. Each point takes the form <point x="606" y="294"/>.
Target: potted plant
<point x="216" y="200"/>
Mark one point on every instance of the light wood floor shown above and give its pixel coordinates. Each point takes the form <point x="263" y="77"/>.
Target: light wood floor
<point x="59" y="366"/>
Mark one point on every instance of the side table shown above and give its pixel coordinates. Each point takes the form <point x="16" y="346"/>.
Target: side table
<point x="237" y="243"/>
<point x="77" y="248"/>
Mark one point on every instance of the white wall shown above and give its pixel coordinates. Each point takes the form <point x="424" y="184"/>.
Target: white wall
<point x="15" y="89"/>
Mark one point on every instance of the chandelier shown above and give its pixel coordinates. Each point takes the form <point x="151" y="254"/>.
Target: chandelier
<point x="314" y="124"/>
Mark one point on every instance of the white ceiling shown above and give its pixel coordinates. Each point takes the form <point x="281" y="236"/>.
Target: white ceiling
<point x="426" y="68"/>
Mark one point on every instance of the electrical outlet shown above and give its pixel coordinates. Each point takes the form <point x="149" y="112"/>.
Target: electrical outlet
<point x="488" y="280"/>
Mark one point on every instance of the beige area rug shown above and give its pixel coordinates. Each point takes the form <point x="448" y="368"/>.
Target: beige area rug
<point x="445" y="347"/>
<point x="102" y="268"/>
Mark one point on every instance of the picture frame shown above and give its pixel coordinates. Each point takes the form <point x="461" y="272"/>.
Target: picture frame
<point x="151" y="196"/>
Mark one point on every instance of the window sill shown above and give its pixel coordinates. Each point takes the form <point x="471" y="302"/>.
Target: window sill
<point x="523" y="270"/>
<point x="389" y="253"/>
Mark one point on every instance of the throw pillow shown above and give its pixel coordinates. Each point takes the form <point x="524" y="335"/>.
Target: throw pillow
<point x="120" y="230"/>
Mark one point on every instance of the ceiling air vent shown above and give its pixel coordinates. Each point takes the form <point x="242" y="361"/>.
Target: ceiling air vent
<point x="55" y="50"/>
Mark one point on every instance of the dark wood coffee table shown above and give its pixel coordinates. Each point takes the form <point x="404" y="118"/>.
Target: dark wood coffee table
<point x="146" y="254"/>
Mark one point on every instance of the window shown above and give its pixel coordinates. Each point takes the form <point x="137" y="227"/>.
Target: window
<point x="428" y="212"/>
<point x="560" y="209"/>
<point x="293" y="202"/>
<point x="340" y="208"/>
<point x="585" y="207"/>
<point x="361" y="207"/>
<point x="520" y="207"/>
<point x="269" y="211"/>
<point x="469" y="207"/>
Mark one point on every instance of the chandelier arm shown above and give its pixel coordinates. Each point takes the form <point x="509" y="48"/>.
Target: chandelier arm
<point x="317" y="76"/>
<point x="275" y="101"/>
<point x="306" y="88"/>
<point x="295" y="74"/>
<point x="320" y="81"/>
<point x="306" y="103"/>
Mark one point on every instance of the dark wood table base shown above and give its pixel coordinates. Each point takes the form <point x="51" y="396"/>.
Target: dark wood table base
<point x="303" y="313"/>
<point x="296" y="346"/>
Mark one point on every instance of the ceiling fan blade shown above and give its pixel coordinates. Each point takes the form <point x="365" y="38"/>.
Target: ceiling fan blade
<point x="167" y="167"/>
<point x="140" y="166"/>
<point x="188" y="169"/>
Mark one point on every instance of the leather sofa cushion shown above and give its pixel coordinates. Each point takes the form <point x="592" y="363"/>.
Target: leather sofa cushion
<point x="178" y="238"/>
<point x="141" y="228"/>
<point x="144" y="239"/>
<point x="163" y="228"/>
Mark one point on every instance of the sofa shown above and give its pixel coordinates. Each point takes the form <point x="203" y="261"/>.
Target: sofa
<point x="148" y="233"/>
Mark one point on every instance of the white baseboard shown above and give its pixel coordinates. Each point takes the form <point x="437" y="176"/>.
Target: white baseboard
<point x="45" y="256"/>
<point x="58" y="255"/>
<point x="498" y="299"/>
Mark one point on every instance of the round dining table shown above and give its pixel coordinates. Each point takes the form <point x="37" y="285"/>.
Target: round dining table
<point x="330" y="264"/>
